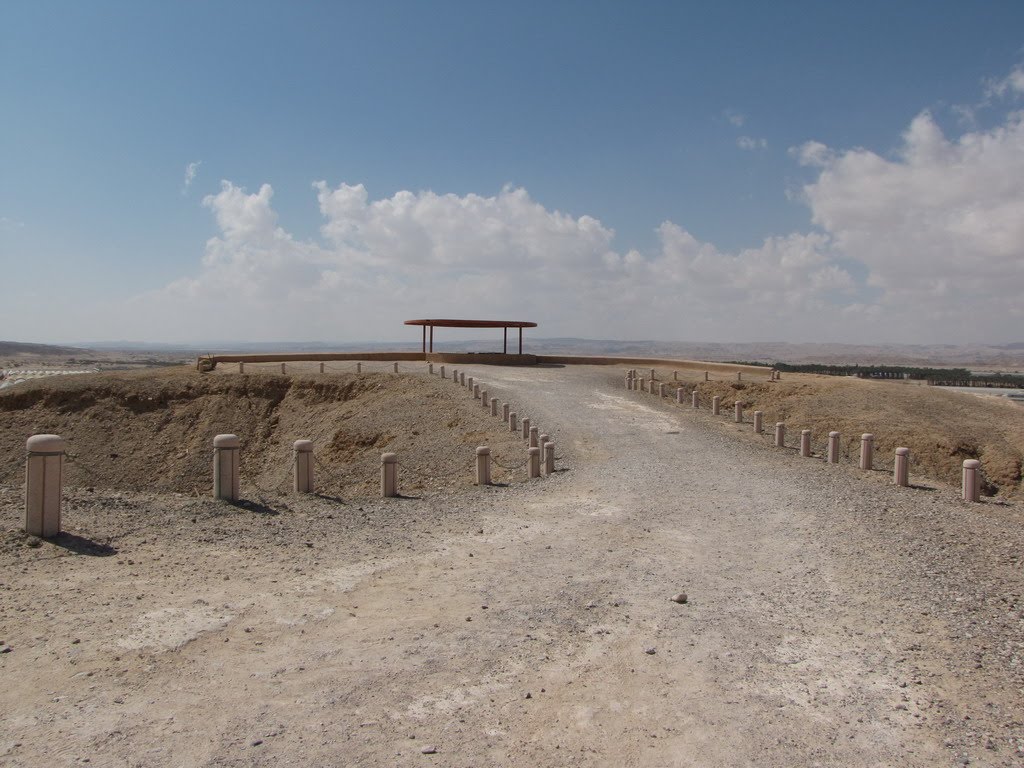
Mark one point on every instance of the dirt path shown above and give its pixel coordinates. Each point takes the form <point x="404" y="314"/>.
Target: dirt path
<point x="832" y="619"/>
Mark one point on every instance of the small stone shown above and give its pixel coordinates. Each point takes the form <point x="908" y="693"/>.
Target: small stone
<point x="650" y="651"/>
<point x="528" y="695"/>
<point x="33" y="542"/>
<point x="257" y="742"/>
<point x="429" y="750"/>
<point x="680" y="598"/>
<point x="5" y="649"/>
<point x="469" y="618"/>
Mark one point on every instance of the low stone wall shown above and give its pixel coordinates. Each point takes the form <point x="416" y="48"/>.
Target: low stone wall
<point x="481" y="358"/>
<point x="655" y="362"/>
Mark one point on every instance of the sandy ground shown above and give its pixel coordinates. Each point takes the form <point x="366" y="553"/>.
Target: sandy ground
<point x="832" y="619"/>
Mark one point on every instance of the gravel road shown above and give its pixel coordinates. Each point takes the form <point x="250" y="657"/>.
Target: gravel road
<point x="831" y="619"/>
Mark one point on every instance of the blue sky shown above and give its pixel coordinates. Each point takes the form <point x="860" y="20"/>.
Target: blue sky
<point x="636" y="116"/>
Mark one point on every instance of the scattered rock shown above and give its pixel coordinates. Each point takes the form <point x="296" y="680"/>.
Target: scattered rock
<point x="528" y="695"/>
<point x="429" y="750"/>
<point x="5" y="649"/>
<point x="680" y="598"/>
<point x="650" y="651"/>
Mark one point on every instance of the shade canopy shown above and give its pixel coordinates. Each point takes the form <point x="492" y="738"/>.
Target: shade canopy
<point x="449" y="323"/>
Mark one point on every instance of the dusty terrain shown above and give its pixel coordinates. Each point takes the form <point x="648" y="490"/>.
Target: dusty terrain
<point x="831" y="619"/>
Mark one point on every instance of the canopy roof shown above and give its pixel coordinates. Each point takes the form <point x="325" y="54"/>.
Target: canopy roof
<point x="474" y="323"/>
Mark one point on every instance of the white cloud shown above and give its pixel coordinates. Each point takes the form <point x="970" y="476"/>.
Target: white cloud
<point x="750" y="144"/>
<point x="735" y="118"/>
<point x="939" y="226"/>
<point x="1011" y="85"/>
<point x="9" y="225"/>
<point x="190" y="174"/>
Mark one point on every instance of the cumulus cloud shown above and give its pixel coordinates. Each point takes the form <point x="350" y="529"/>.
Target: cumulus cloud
<point x="939" y="225"/>
<point x="750" y="144"/>
<point x="735" y="118"/>
<point x="1009" y="86"/>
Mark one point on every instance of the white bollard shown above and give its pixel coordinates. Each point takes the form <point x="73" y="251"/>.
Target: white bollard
<point x="675" y="375"/>
<point x="867" y="451"/>
<point x="526" y="429"/>
<point x="241" y="367"/>
<point x="738" y="411"/>
<point x="549" y="458"/>
<point x="652" y="374"/>
<point x="679" y="395"/>
<point x="661" y="389"/>
<point x="226" y="467"/>
<point x="513" y="422"/>
<point x="483" y="465"/>
<point x="359" y="367"/>
<point x="901" y="467"/>
<point x="758" y="422"/>
<point x="504" y="412"/>
<point x="430" y="368"/>
<point x="484" y="400"/>
<point x="543" y="439"/>
<point x="44" y="480"/>
<point x="629" y="383"/>
<point x="462" y="379"/>
<point x="534" y="437"/>
<point x="780" y="435"/>
<point x="396" y="367"/>
<point x="302" y="460"/>
<point x="321" y="367"/>
<point x="706" y="376"/>
<point x="805" y="443"/>
<point x="739" y="375"/>
<point x="282" y="367"/>
<point x="534" y="462"/>
<point x="643" y="384"/>
<point x="494" y="406"/>
<point x="476" y="391"/>
<point x="833" y="447"/>
<point x="972" y="480"/>
<point x="443" y="376"/>
<point x="388" y="475"/>
<point x="695" y="401"/>
<point x="716" y="403"/>
<point x="469" y="383"/>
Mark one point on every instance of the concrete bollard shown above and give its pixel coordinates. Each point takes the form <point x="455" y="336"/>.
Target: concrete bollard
<point x="396" y="367"/>
<point x="44" y="480"/>
<point x="526" y="428"/>
<point x="484" y="399"/>
<point x="695" y="400"/>
<point x="679" y="395"/>
<point x="739" y="375"/>
<point x="282" y="367"/>
<point x="321" y="367"/>
<point x="716" y="405"/>
<point x="513" y="424"/>
<point x="543" y="439"/>
<point x="867" y="451"/>
<point x="476" y="391"/>
<point x="972" y="480"/>
<point x="443" y="375"/>
<point x="504" y="412"/>
<point x="549" y="458"/>
<point x="462" y="379"/>
<point x="706" y="376"/>
<point x="738" y="411"/>
<point x="901" y="467"/>
<point x="241" y="367"/>
<point x="302" y="461"/>
<point x="430" y="368"/>
<point x="388" y="475"/>
<point x="805" y="443"/>
<point x="359" y="367"/>
<point x="226" y="467"/>
<point x="652" y="374"/>
<point x="675" y="375"/>
<point x="661" y="390"/>
<point x="833" y="447"/>
<point x="629" y="383"/>
<point x="483" y="465"/>
<point x="469" y="383"/>
<point x="780" y="435"/>
<point x="494" y="406"/>
<point x="758" y="422"/>
<point x="643" y="384"/>
<point x="534" y="437"/>
<point x="534" y="462"/>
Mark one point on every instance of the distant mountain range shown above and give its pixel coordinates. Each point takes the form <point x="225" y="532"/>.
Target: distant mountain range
<point x="994" y="355"/>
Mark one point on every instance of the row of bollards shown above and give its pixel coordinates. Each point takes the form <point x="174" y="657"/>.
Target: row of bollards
<point x="541" y="450"/>
<point x="970" y="482"/>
